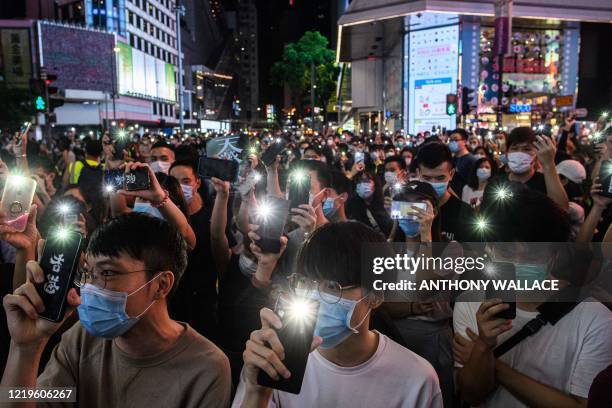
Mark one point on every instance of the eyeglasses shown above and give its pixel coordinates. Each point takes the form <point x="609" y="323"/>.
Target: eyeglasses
<point x="329" y="291"/>
<point x="99" y="278"/>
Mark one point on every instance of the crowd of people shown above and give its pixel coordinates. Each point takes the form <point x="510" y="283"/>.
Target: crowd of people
<point x="174" y="301"/>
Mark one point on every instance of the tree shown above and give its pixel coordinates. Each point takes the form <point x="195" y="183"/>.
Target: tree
<point x="294" y="67"/>
<point x="16" y="106"/>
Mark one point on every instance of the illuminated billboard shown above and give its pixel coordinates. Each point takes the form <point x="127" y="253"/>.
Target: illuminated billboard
<point x="433" y="58"/>
<point x="15" y="58"/>
<point x="141" y="74"/>
<point x="81" y="58"/>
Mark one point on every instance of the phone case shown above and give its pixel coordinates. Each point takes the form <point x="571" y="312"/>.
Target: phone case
<point x="137" y="180"/>
<point x="299" y="192"/>
<point x="225" y="170"/>
<point x="274" y="150"/>
<point x="17" y="200"/>
<point x="606" y="178"/>
<point x="296" y="338"/>
<point x="272" y="228"/>
<point x="59" y="262"/>
<point x="504" y="271"/>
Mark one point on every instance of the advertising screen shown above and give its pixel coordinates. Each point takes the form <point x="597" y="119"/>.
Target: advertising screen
<point x="82" y="59"/>
<point x="432" y="73"/>
<point x="142" y="74"/>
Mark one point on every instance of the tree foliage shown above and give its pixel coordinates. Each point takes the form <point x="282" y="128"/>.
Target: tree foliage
<point x="294" y="67"/>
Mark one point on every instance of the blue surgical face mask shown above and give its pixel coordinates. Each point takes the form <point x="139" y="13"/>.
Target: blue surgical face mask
<point x="102" y="312"/>
<point x="439" y="187"/>
<point x="483" y="174"/>
<point x="334" y="320"/>
<point x="365" y="190"/>
<point x="453" y="145"/>
<point x="531" y="272"/>
<point x="147" y="208"/>
<point x="187" y="192"/>
<point x="329" y="208"/>
<point x="410" y="227"/>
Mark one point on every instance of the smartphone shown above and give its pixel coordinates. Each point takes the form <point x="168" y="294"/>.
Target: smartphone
<point x="299" y="317"/>
<point x="225" y="170"/>
<point x="17" y="200"/>
<point x="503" y="271"/>
<point x="272" y="225"/>
<point x="59" y="261"/>
<point x="605" y="178"/>
<point x="299" y="190"/>
<point x="137" y="179"/>
<point x="359" y="157"/>
<point x="269" y="156"/>
<point x="402" y="210"/>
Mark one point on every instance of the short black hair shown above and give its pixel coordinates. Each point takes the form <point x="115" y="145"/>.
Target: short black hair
<point x="396" y="159"/>
<point x="521" y="134"/>
<point x="162" y="143"/>
<point x="333" y="252"/>
<point x="433" y="154"/>
<point x="151" y="240"/>
<point x="340" y="182"/>
<point x="93" y="148"/>
<point x="321" y="169"/>
<point x="187" y="152"/>
<point x="186" y="163"/>
<point x="461" y="132"/>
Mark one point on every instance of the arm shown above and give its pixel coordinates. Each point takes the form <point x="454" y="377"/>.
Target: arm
<point x="218" y="222"/>
<point x="554" y="188"/>
<point x="532" y="392"/>
<point x="21" y="161"/>
<point x="273" y="188"/>
<point x="587" y="229"/>
<point x="157" y="196"/>
<point x="24" y="243"/>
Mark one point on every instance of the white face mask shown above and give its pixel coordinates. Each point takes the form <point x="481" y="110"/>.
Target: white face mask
<point x="187" y="192"/>
<point x="160" y="166"/>
<point x="390" y="177"/>
<point x="483" y="174"/>
<point x="519" y="162"/>
<point x="247" y="266"/>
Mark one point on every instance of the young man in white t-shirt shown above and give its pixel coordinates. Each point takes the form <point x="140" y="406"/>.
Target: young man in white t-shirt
<point x="350" y="365"/>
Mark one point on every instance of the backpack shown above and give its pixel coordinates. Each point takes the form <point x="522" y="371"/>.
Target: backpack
<point x="90" y="175"/>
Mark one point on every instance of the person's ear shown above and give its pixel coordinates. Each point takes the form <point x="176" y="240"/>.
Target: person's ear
<point x="343" y="197"/>
<point x="375" y="299"/>
<point x="452" y="173"/>
<point x="198" y="182"/>
<point x="165" y="282"/>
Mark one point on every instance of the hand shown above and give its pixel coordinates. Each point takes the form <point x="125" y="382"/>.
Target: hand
<point x="254" y="160"/>
<point x="419" y="308"/>
<point x="221" y="187"/>
<point x="24" y="305"/>
<point x="546" y="151"/>
<point x="387" y="203"/>
<point x="155" y="194"/>
<point x="40" y="184"/>
<point x="425" y="219"/>
<point x="462" y="347"/>
<point x="265" y="259"/>
<point x="264" y="351"/>
<point x="490" y="327"/>
<point x="21" y="240"/>
<point x="600" y="202"/>
<point x="20" y="151"/>
<point x="4" y="170"/>
<point x="305" y="217"/>
<point x="357" y="167"/>
<point x="601" y="150"/>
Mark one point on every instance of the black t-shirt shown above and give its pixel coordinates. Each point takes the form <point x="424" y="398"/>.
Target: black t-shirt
<point x="536" y="182"/>
<point x="457" y="220"/>
<point x="463" y="167"/>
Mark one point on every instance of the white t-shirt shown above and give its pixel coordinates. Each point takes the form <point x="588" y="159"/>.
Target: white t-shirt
<point x="393" y="377"/>
<point x="566" y="356"/>
<point x="472" y="197"/>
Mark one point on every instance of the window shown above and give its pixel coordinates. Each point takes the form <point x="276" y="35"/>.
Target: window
<point x="132" y="43"/>
<point x="154" y="108"/>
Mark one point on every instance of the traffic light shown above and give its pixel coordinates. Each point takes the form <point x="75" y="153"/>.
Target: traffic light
<point x="451" y="104"/>
<point x="39" y="104"/>
<point x="56" y="96"/>
<point x="467" y="99"/>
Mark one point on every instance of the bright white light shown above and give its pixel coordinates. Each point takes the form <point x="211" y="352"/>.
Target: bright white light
<point x="397" y="186"/>
<point x="298" y="176"/>
<point x="300" y="310"/>
<point x="482" y="224"/>
<point x="16" y="180"/>
<point x="503" y="193"/>
<point x="109" y="188"/>
<point x="263" y="210"/>
<point x="604" y="114"/>
<point x="63" y="208"/>
<point x="61" y="233"/>
<point x="257" y="177"/>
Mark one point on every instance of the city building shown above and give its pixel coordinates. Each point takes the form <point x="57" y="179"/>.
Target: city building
<point x="245" y="37"/>
<point x="405" y="57"/>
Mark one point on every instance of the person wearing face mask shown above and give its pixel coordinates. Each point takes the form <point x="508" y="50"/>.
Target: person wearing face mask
<point x="483" y="170"/>
<point x="132" y="265"/>
<point x="463" y="160"/>
<point x="572" y="175"/>
<point x="197" y="295"/>
<point x="435" y="166"/>
<point x="525" y="152"/>
<point x="395" y="174"/>
<point x="530" y="373"/>
<point x="162" y="157"/>
<point x="347" y="355"/>
<point x="367" y="204"/>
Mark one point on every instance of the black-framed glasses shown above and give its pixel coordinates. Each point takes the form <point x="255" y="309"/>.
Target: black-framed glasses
<point x="99" y="278"/>
<point x="329" y="291"/>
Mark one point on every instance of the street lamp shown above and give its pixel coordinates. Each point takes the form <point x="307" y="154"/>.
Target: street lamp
<point x="179" y="9"/>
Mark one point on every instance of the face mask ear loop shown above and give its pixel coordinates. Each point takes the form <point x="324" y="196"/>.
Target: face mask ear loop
<point x="150" y="280"/>
<point x="354" y="329"/>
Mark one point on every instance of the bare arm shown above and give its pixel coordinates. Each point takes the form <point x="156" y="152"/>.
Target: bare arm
<point x="546" y="153"/>
<point x="218" y="223"/>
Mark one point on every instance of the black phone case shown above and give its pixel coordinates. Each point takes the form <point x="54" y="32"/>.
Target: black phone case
<point x="606" y="180"/>
<point x="114" y="178"/>
<point x="225" y="170"/>
<point x="504" y="271"/>
<point x="272" y="229"/>
<point x="274" y="150"/>
<point x="296" y="341"/>
<point x="299" y="193"/>
<point x="59" y="261"/>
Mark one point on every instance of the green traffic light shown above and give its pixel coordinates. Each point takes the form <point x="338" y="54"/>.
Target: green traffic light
<point x="40" y="104"/>
<point x="451" y="109"/>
